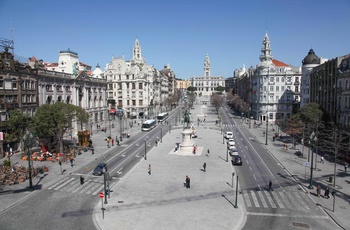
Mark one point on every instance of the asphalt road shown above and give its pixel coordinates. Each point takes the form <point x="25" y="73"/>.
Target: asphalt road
<point x="66" y="204"/>
<point x="286" y="207"/>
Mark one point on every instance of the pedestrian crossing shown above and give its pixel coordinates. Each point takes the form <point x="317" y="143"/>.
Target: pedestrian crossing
<point x="296" y="200"/>
<point x="72" y="185"/>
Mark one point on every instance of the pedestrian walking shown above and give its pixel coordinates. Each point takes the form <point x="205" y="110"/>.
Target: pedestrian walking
<point x="270" y="185"/>
<point x="322" y="160"/>
<point x="204" y="167"/>
<point x="149" y="169"/>
<point x="326" y="193"/>
<point x="187" y="182"/>
<point x="318" y="190"/>
<point x="112" y="142"/>
<point x="156" y="142"/>
<point x="194" y="149"/>
<point x="108" y="141"/>
<point x="71" y="162"/>
<point x="208" y="151"/>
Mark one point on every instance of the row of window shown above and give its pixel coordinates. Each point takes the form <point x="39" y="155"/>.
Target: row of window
<point x="130" y="103"/>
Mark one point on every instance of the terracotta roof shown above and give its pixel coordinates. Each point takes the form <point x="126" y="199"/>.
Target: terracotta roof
<point x="55" y="64"/>
<point x="278" y="63"/>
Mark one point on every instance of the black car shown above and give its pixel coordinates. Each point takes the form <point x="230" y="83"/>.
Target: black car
<point x="236" y="160"/>
<point x="298" y="153"/>
<point x="98" y="171"/>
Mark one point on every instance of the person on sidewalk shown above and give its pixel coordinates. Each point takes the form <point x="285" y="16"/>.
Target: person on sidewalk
<point x="156" y="142"/>
<point x="112" y="142"/>
<point x="326" y="193"/>
<point x="71" y="162"/>
<point x="322" y="160"/>
<point x="270" y="186"/>
<point x="346" y="167"/>
<point x="187" y="182"/>
<point x="204" y="167"/>
<point x="208" y="151"/>
<point x="149" y="169"/>
<point x="318" y="190"/>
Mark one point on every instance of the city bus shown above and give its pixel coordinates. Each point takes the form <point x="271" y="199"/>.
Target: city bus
<point x="148" y="125"/>
<point x="162" y="117"/>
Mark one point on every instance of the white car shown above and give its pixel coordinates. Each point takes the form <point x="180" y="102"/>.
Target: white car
<point x="229" y="135"/>
<point x="233" y="151"/>
<point x="231" y="144"/>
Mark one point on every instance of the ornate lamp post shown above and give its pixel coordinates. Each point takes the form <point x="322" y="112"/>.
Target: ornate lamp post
<point x="28" y="142"/>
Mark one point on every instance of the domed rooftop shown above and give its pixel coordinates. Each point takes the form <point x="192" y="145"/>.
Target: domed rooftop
<point x="311" y="58"/>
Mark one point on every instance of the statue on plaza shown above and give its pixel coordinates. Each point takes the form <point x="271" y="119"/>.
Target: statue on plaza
<point x="186" y="119"/>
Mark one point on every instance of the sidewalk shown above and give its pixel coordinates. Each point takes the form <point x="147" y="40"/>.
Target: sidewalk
<point x="160" y="200"/>
<point x="11" y="195"/>
<point x="296" y="167"/>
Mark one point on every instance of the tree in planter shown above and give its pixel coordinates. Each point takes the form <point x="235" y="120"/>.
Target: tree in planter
<point x="53" y="120"/>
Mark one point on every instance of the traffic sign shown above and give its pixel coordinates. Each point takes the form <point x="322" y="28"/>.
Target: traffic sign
<point x="101" y="195"/>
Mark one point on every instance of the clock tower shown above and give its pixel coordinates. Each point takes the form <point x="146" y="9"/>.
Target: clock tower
<point x="207" y="66"/>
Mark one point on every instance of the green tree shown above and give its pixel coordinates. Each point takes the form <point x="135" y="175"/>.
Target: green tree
<point x="18" y="124"/>
<point x="294" y="127"/>
<point x="219" y="89"/>
<point x="53" y="120"/>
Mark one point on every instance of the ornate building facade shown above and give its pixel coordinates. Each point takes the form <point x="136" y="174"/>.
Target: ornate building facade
<point x="206" y="84"/>
<point x="275" y="87"/>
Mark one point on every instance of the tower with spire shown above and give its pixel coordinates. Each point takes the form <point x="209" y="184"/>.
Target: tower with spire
<point x="207" y="66"/>
<point x="137" y="52"/>
<point x="266" y="56"/>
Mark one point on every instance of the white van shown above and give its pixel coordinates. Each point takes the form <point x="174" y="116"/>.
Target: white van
<point x="229" y="135"/>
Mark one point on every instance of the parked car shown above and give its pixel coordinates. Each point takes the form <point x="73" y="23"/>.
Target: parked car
<point x="298" y="153"/>
<point x="98" y="171"/>
<point x="231" y="144"/>
<point x="228" y="135"/>
<point x="233" y="151"/>
<point x="236" y="160"/>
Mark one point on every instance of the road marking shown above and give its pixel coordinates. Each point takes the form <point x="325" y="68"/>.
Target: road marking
<point x="250" y="168"/>
<point x="99" y="189"/>
<point x="278" y="200"/>
<point x="262" y="199"/>
<point x="123" y="155"/>
<point x="254" y="177"/>
<point x="301" y="200"/>
<point x="286" y="215"/>
<point x="63" y="184"/>
<point x="284" y="199"/>
<point x="93" y="188"/>
<point x="59" y="182"/>
<point x="247" y="162"/>
<point x="255" y="199"/>
<point x="246" y="198"/>
<point x="269" y="198"/>
<point x="120" y="171"/>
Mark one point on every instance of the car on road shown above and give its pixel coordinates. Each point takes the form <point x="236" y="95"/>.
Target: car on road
<point x="231" y="144"/>
<point x="233" y="151"/>
<point x="236" y="160"/>
<point x="98" y="171"/>
<point x="228" y="135"/>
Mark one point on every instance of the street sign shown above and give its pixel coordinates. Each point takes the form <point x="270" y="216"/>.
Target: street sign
<point x="306" y="164"/>
<point x="101" y="195"/>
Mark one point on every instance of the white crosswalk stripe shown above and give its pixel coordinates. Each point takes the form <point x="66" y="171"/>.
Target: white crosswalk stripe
<point x="274" y="199"/>
<point x="72" y="185"/>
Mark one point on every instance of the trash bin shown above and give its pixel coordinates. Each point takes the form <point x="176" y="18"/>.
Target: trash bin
<point x="330" y="179"/>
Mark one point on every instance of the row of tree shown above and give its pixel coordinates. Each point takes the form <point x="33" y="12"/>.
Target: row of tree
<point x="50" y="122"/>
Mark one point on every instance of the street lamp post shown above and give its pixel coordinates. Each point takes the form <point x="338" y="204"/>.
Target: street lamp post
<point x="145" y="149"/>
<point x="28" y="142"/>
<point x="313" y="138"/>
<point x="236" y="206"/>
<point x="267" y="129"/>
<point x="9" y="153"/>
<point x="121" y="129"/>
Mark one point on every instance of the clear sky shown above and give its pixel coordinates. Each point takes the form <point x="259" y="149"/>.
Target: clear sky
<point x="178" y="32"/>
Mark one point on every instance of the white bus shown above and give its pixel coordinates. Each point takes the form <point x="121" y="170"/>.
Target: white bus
<point x="162" y="117"/>
<point x="148" y="125"/>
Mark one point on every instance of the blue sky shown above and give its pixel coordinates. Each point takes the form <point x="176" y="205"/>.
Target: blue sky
<point x="179" y="33"/>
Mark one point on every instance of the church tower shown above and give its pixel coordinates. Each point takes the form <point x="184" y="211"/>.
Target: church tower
<point x="207" y="66"/>
<point x="266" y="50"/>
<point x="137" y="52"/>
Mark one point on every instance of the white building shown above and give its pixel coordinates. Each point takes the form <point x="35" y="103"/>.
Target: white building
<point x="275" y="87"/>
<point x="206" y="84"/>
<point x="131" y="84"/>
